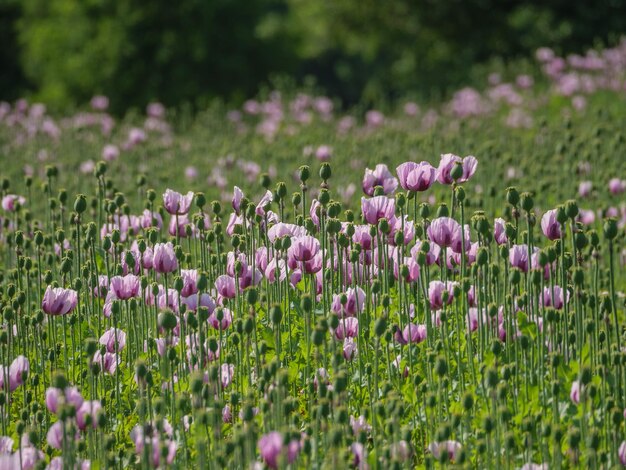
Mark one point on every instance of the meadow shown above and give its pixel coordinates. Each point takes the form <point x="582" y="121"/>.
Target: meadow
<point x="288" y="284"/>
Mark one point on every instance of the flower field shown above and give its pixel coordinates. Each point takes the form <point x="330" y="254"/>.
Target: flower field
<point x="287" y="285"/>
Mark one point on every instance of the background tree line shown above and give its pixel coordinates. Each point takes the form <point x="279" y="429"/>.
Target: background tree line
<point x="190" y="51"/>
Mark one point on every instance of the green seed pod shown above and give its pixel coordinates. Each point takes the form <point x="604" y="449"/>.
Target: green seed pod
<point x="305" y="173"/>
<point x="460" y="194"/>
<point x="441" y="366"/>
<point x="276" y="314"/>
<point x="80" y="204"/>
<point x="571" y="209"/>
<point x="610" y="229"/>
<point x="306" y="303"/>
<point x="512" y="196"/>
<point x="383" y="225"/>
<point x="457" y="171"/>
<point x="265" y="180"/>
<point x="324" y="197"/>
<point x="380" y="327"/>
<point x="296" y="199"/>
<point x="527" y="201"/>
<point x="482" y="257"/>
<point x="167" y="320"/>
<point x="252" y="295"/>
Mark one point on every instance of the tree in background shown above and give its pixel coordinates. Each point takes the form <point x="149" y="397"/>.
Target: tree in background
<point x="358" y="50"/>
<point x="136" y="51"/>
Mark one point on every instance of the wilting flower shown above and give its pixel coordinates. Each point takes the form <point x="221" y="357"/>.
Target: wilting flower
<point x="584" y="188"/>
<point x="535" y="466"/>
<point x="436" y="291"/>
<point x="446" y="232"/>
<point x="267" y="199"/>
<point x="359" y="424"/>
<point x="271" y="448"/>
<point x="88" y="411"/>
<point x="125" y="287"/>
<point x="164" y="258"/>
<point x="114" y="339"/>
<point x="622" y="453"/>
<point x="57" y="464"/>
<point x="414" y="333"/>
<point x="499" y="231"/>
<point x="54" y="438"/>
<point x="350" y="349"/>
<point x="55" y="396"/>
<point x="574" y="393"/>
<point x="452" y="448"/>
<point x="176" y="203"/>
<point x="11" y="202"/>
<point x="380" y="176"/>
<point x="400" y="450"/>
<point x="59" y="301"/>
<point x="227" y="372"/>
<point x="190" y="278"/>
<point x="355" y="300"/>
<point x="281" y="230"/>
<point x="416" y="176"/>
<point x="374" y="118"/>
<point x="224" y="322"/>
<point x="376" y="208"/>
<point x="110" y="152"/>
<point x="193" y="300"/>
<point x="157" y="442"/>
<point x="586" y="216"/>
<point x="433" y="252"/>
<point x="359" y="453"/>
<point x="616" y="186"/>
<point x="151" y="219"/>
<point x="18" y="370"/>
<point x="237" y="198"/>
<point x="550" y="225"/>
<point x="225" y="286"/>
<point x="323" y="153"/>
<point x="99" y="103"/>
<point x="554" y="297"/>
<point x="447" y="163"/>
<point x="304" y="248"/>
<point x="108" y="362"/>
<point x="518" y="257"/>
<point x="347" y="328"/>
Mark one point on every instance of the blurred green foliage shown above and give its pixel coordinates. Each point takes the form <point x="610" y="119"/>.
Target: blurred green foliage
<point x="64" y="51"/>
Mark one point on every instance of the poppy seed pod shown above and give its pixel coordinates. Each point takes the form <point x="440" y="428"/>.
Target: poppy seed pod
<point x="324" y="196"/>
<point x="276" y="314"/>
<point x="304" y="173"/>
<point x="527" y="201"/>
<point x="265" y="180"/>
<point x="167" y="320"/>
<point x="80" y="204"/>
<point x="460" y="193"/>
<point x="571" y="208"/>
<point x="442" y="210"/>
<point x="457" y="171"/>
<point x="561" y="215"/>
<point x="610" y="229"/>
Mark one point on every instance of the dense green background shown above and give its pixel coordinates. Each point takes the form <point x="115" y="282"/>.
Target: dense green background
<point x="189" y="51"/>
